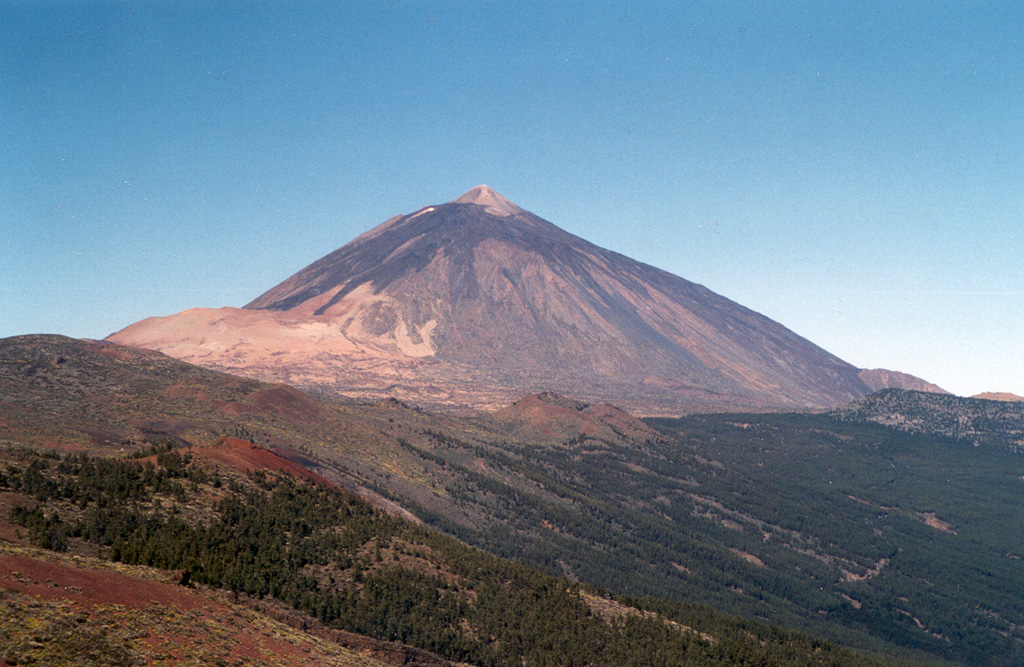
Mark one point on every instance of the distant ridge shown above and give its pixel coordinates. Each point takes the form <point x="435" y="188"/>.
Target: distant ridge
<point x="879" y="378"/>
<point x="476" y="302"/>
<point x="999" y="396"/>
<point x="981" y="422"/>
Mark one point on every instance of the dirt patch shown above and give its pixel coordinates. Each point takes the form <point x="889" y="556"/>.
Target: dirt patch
<point x="856" y="604"/>
<point x="935" y="522"/>
<point x="613" y="611"/>
<point x="750" y="558"/>
<point x="869" y="574"/>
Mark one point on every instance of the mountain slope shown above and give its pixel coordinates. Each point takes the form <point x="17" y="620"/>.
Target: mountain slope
<point x="477" y="302"/>
<point x="852" y="531"/>
<point x="251" y="552"/>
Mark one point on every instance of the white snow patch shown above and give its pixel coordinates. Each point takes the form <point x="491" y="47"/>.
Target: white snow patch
<point x="419" y="213"/>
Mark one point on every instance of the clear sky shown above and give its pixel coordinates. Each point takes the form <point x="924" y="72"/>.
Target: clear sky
<point x="853" y="170"/>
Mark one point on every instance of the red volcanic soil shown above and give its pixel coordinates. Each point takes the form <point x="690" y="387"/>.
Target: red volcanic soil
<point x="168" y="623"/>
<point x="54" y="581"/>
<point x="176" y="625"/>
<point x="245" y="456"/>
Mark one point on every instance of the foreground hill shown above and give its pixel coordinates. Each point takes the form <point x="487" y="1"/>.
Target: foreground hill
<point x="898" y="543"/>
<point x="59" y="609"/>
<point x="271" y="570"/>
<point x="477" y="302"/>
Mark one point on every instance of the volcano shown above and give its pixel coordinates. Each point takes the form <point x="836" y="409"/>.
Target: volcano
<point x="476" y="302"/>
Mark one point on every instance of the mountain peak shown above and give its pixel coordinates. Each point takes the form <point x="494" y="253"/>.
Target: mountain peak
<point x="476" y="301"/>
<point x="482" y="195"/>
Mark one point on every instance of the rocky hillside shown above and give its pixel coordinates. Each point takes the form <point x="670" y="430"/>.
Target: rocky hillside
<point x="997" y="423"/>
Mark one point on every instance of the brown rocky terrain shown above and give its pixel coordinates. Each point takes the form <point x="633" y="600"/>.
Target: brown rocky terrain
<point x="548" y="417"/>
<point x="477" y="302"/>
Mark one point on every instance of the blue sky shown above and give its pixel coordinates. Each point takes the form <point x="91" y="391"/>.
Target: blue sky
<point x="852" y="170"/>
